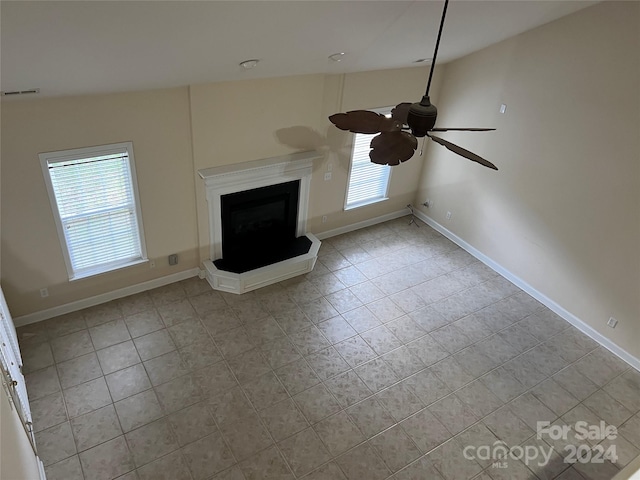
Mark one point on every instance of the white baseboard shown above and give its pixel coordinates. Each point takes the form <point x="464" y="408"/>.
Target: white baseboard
<point x="365" y="223"/>
<point x="104" y="297"/>
<point x="552" y="305"/>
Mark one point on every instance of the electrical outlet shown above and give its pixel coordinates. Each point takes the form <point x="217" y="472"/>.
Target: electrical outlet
<point x="44" y="292"/>
<point x="503" y="108"/>
<point x="327" y="176"/>
<point x="173" y="259"/>
<point x="152" y="264"/>
<point x="612" y="322"/>
<point x="448" y="215"/>
<point x="324" y="219"/>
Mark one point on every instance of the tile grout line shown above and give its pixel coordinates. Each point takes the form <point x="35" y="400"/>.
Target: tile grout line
<point x="378" y="356"/>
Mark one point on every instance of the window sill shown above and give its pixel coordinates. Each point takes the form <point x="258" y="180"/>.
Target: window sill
<point x="365" y="203"/>
<point x="93" y="273"/>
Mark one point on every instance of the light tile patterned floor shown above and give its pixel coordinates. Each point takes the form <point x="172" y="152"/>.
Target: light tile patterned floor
<point x="395" y="353"/>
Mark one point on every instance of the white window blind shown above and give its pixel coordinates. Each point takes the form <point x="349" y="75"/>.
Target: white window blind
<point x="94" y="193"/>
<point x="368" y="181"/>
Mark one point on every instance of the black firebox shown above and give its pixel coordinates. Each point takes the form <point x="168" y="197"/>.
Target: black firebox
<point x="259" y="227"/>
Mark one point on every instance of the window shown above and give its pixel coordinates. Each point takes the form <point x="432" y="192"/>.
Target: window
<point x="94" y="197"/>
<point x="368" y="181"/>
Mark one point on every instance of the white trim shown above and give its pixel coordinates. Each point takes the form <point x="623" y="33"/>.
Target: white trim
<point x="91" y="273"/>
<point x="227" y="179"/>
<point x="370" y="201"/>
<point x="48" y="158"/>
<point x="104" y="297"/>
<point x="258" y="168"/>
<point x="239" y="283"/>
<point x="542" y="298"/>
<point x="389" y="171"/>
<point x="11" y="364"/>
<point x="362" y="224"/>
<point x="627" y="473"/>
<point x="41" y="471"/>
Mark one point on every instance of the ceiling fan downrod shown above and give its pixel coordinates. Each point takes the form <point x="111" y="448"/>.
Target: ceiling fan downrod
<point x="422" y="115"/>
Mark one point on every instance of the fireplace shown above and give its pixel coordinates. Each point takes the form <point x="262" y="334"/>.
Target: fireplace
<point x="259" y="227"/>
<point x="257" y="222"/>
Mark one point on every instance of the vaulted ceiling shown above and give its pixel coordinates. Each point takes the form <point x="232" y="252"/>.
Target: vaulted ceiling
<point x="88" y="47"/>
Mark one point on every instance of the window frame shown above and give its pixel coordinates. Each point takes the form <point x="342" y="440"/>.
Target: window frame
<point x="370" y="201"/>
<point x="48" y="158"/>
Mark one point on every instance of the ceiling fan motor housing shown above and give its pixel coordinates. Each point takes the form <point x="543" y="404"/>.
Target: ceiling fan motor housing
<point x="422" y="117"/>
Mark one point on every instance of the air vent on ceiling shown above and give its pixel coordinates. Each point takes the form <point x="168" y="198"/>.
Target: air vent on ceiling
<point x="20" y="92"/>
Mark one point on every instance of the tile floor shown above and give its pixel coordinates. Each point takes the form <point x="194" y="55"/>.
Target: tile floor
<point x="395" y="353"/>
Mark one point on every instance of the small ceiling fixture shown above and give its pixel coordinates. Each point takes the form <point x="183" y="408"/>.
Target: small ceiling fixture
<point x="337" y="57"/>
<point x="422" y="60"/>
<point x="249" y="64"/>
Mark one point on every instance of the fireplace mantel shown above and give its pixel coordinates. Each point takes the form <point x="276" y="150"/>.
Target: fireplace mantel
<point x="239" y="177"/>
<point x="285" y="164"/>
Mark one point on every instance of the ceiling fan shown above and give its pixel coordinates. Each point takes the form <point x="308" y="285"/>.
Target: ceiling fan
<point x="394" y="144"/>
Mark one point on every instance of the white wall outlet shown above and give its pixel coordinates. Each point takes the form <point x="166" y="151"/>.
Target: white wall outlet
<point x="327" y="176"/>
<point x="44" y="292"/>
<point x="612" y="322"/>
<point x="448" y="215"/>
<point x="152" y="264"/>
<point x="324" y="219"/>
<point x="503" y="108"/>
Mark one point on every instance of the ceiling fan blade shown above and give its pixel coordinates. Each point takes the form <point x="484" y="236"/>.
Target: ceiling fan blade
<point x="392" y="148"/>
<point x="462" y="129"/>
<point x="463" y="152"/>
<point x="364" y="121"/>
<point x="400" y="112"/>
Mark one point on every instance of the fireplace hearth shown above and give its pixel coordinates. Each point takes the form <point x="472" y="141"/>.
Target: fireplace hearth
<point x="259" y="227"/>
<point x="257" y="222"/>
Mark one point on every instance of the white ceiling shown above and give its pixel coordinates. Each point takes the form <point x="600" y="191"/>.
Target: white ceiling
<point x="90" y="47"/>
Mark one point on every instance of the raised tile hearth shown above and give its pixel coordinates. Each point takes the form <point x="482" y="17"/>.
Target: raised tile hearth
<point x="222" y="183"/>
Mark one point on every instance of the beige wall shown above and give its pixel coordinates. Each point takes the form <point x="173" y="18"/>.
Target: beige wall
<point x="236" y="122"/>
<point x="563" y="211"/>
<point x="17" y="460"/>
<point x="363" y="91"/>
<point x="175" y="133"/>
<point x="157" y="123"/>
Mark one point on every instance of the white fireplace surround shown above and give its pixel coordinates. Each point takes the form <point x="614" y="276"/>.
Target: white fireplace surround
<point x="228" y="179"/>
